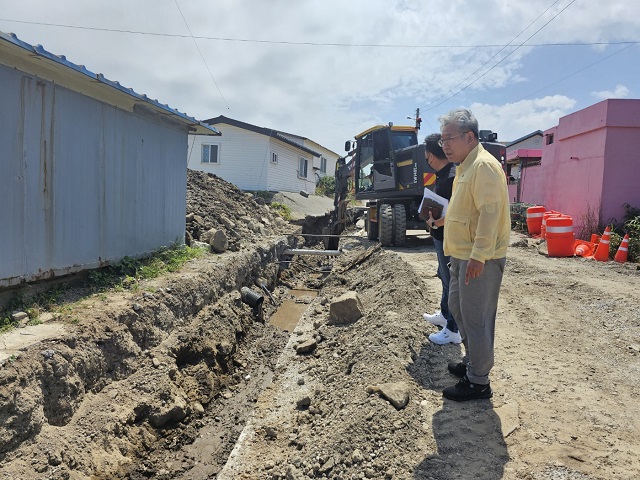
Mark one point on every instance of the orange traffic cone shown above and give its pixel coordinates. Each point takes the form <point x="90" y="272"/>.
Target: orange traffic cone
<point x="583" y="249"/>
<point x="602" y="252"/>
<point x="623" y="250"/>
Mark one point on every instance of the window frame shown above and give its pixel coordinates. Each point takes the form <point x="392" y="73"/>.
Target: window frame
<point x="209" y="162"/>
<point x="300" y="167"/>
<point x="323" y="164"/>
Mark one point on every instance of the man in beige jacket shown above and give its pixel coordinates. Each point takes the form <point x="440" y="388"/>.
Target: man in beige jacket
<point x="476" y="236"/>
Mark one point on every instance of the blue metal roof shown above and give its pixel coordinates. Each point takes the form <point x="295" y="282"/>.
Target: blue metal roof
<point x="29" y="50"/>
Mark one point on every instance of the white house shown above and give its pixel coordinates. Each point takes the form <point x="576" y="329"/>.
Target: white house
<point x="91" y="171"/>
<point x="258" y="158"/>
<point x="323" y="166"/>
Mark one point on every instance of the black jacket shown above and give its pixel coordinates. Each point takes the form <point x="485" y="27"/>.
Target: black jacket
<point x="444" y="185"/>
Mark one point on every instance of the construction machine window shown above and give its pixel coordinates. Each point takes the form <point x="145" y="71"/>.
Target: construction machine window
<point x="403" y="139"/>
<point x="365" y="146"/>
<point x="382" y="159"/>
<point x="376" y="157"/>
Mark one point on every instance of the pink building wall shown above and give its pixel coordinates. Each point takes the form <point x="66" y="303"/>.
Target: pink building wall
<point x="592" y="166"/>
<point x="621" y="183"/>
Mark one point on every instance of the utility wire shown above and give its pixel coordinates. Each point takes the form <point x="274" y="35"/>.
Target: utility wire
<point x="485" y="63"/>
<point x="314" y="44"/>
<point x="561" y="79"/>
<point x="506" y="56"/>
<point x="202" y="56"/>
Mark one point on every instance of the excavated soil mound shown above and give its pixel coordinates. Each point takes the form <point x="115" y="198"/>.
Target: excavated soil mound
<point x="213" y="203"/>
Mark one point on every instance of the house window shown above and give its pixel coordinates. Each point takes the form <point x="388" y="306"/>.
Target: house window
<point x="274" y="158"/>
<point x="323" y="165"/>
<point x="302" y="167"/>
<point x="550" y="139"/>
<point x="210" y="153"/>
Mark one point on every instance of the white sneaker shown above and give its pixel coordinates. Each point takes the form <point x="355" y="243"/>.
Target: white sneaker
<point x="436" y="318"/>
<point x="445" y="336"/>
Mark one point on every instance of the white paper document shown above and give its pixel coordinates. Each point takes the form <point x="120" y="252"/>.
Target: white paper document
<point x="434" y="197"/>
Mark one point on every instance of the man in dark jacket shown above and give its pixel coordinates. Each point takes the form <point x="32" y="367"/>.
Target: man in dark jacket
<point x="445" y="173"/>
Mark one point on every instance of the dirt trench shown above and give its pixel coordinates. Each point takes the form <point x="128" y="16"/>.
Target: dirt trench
<point x="111" y="391"/>
<point x="182" y="380"/>
<point x="139" y="374"/>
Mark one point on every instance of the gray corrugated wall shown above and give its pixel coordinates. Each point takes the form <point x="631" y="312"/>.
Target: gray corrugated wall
<point x="82" y="182"/>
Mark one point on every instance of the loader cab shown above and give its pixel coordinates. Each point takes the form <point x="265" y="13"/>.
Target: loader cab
<point x="375" y="160"/>
<point x="490" y="143"/>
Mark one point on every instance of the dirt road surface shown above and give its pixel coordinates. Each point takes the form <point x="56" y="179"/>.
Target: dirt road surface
<point x="182" y="380"/>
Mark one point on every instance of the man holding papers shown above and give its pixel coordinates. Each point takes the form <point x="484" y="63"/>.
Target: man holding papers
<point x="445" y="172"/>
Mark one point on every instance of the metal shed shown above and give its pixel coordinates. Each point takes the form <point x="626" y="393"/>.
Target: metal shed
<point x="91" y="171"/>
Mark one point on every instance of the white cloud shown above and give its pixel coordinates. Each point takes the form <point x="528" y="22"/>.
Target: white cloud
<point x="514" y="120"/>
<point x="331" y="92"/>
<point x="619" y="92"/>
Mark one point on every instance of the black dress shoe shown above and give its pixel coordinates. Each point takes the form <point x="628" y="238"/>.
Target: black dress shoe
<point x="465" y="390"/>
<point x="458" y="369"/>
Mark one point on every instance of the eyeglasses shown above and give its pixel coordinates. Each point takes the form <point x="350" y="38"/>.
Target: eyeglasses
<point x="442" y="142"/>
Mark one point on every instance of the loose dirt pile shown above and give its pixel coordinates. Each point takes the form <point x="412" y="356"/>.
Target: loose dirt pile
<point x="182" y="380"/>
<point x="213" y="203"/>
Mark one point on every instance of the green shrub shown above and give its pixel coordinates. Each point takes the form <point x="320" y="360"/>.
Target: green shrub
<point x="630" y="226"/>
<point x="326" y="186"/>
<point x="519" y="216"/>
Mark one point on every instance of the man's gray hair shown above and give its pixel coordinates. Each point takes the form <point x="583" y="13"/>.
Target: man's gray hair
<point x="461" y="118"/>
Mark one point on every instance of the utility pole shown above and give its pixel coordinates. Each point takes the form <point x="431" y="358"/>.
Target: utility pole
<point x="418" y="119"/>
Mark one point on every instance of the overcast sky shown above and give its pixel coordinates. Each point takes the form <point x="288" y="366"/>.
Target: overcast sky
<point x="327" y="69"/>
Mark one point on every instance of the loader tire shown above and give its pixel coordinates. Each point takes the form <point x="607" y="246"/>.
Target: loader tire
<point x="385" y="225"/>
<point x="400" y="225"/>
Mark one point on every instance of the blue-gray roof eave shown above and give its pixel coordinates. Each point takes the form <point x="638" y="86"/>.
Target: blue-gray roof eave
<point x="262" y="130"/>
<point x="195" y="126"/>
<point x="525" y="137"/>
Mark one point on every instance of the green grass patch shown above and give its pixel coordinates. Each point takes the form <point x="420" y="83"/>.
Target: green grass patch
<point x="127" y="273"/>
<point x="33" y="307"/>
<point x="281" y="209"/>
<point x="123" y="275"/>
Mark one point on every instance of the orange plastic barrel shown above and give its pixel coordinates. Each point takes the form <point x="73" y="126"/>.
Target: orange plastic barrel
<point x="545" y="216"/>
<point x="560" y="236"/>
<point x="534" y="219"/>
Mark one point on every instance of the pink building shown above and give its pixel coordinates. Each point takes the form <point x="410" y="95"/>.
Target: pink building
<point x="590" y="164"/>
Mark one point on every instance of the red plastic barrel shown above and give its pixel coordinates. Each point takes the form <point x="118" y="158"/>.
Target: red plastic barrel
<point x="534" y="219"/>
<point x="545" y="216"/>
<point x="560" y="236"/>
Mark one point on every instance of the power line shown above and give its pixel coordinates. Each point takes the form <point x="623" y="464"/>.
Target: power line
<point x="494" y="56"/>
<point x="563" y="78"/>
<point x="506" y="56"/>
<point x="315" y="44"/>
<point x="202" y="56"/>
